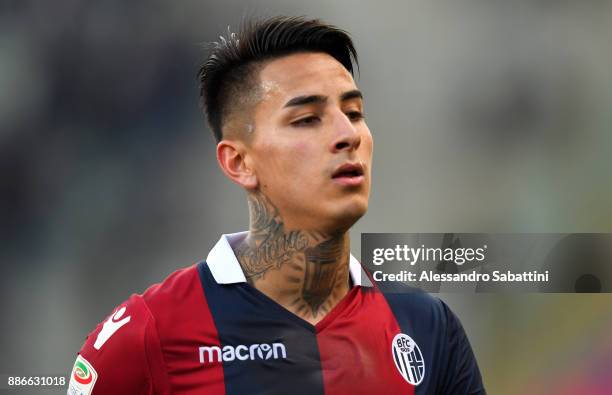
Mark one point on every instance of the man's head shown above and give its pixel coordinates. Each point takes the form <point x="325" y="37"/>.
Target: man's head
<point x="288" y="118"/>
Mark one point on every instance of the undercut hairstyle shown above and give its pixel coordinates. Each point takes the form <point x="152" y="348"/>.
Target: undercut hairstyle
<point x="229" y="77"/>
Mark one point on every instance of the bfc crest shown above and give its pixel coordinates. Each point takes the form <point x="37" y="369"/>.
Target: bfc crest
<point x="408" y="358"/>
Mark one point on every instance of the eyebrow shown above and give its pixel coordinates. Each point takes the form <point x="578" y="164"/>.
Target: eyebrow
<point x="354" y="94"/>
<point x="319" y="99"/>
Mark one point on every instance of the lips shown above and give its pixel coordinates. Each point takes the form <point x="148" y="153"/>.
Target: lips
<point x="350" y="174"/>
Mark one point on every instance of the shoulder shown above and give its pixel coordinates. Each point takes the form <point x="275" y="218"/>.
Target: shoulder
<point x="181" y="284"/>
<point x="113" y="357"/>
<point x="123" y="353"/>
<point x="178" y="304"/>
<point x="124" y="327"/>
<point x="412" y="303"/>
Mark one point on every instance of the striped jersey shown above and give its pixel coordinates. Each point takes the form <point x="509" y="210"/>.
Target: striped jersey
<point x="205" y="330"/>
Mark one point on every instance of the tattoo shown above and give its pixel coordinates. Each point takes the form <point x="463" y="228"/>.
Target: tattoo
<point x="316" y="263"/>
<point x="270" y="247"/>
<point x="320" y="272"/>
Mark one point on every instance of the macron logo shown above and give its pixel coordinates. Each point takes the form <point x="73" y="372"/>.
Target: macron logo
<point x="211" y="354"/>
<point x="110" y="326"/>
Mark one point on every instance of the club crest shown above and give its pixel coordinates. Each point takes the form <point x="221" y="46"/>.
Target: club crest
<point x="408" y="358"/>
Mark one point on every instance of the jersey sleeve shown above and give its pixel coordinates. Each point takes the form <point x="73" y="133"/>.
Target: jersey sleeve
<point x="122" y="355"/>
<point x="462" y="375"/>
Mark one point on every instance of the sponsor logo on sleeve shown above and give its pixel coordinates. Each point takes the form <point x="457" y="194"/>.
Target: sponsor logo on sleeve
<point x="110" y="326"/>
<point x="82" y="378"/>
<point x="408" y="358"/>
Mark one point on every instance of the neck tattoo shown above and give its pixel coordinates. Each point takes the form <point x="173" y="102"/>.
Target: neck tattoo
<point x="314" y="265"/>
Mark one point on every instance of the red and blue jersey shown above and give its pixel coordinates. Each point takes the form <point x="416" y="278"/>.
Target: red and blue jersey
<point x="205" y="330"/>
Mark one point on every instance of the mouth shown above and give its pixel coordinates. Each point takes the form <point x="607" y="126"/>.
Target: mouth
<point x="349" y="174"/>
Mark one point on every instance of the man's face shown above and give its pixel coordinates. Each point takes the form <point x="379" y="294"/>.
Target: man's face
<point x="311" y="149"/>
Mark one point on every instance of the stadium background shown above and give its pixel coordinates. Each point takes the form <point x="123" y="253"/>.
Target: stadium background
<point x="486" y="115"/>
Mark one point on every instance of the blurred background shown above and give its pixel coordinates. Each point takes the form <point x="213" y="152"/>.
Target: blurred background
<point x="487" y="116"/>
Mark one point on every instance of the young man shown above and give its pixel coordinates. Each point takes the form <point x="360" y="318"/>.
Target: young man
<point x="283" y="308"/>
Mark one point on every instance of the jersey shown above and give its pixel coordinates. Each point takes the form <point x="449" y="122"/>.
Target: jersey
<point x="205" y="330"/>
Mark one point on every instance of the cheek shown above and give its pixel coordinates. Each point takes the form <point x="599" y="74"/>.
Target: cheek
<point x="284" y="163"/>
<point x="301" y="150"/>
<point x="309" y="161"/>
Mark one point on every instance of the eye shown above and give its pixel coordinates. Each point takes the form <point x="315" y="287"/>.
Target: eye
<point x="306" y="121"/>
<point x="355" y="115"/>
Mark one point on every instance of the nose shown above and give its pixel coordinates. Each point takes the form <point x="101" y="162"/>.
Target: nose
<point x="346" y="136"/>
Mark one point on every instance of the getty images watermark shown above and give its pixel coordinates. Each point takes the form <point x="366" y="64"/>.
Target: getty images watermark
<point x="470" y="262"/>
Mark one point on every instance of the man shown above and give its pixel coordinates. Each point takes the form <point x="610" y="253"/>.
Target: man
<point x="283" y="308"/>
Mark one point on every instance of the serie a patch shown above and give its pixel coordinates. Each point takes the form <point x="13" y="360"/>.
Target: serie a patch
<point x="82" y="378"/>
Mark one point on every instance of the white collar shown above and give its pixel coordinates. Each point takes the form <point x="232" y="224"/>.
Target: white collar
<point x="225" y="268"/>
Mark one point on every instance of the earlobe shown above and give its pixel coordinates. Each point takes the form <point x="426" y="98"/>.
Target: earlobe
<point x="233" y="160"/>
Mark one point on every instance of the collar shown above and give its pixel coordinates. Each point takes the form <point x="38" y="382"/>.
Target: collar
<point x="225" y="268"/>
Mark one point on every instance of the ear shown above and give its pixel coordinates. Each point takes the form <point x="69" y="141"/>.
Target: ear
<point x="232" y="158"/>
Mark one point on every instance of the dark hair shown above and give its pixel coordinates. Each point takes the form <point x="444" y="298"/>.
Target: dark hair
<point x="231" y="67"/>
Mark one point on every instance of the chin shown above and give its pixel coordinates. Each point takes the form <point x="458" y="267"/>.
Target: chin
<point x="345" y="215"/>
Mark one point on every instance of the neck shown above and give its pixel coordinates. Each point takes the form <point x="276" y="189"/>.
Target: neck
<point x="305" y="271"/>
